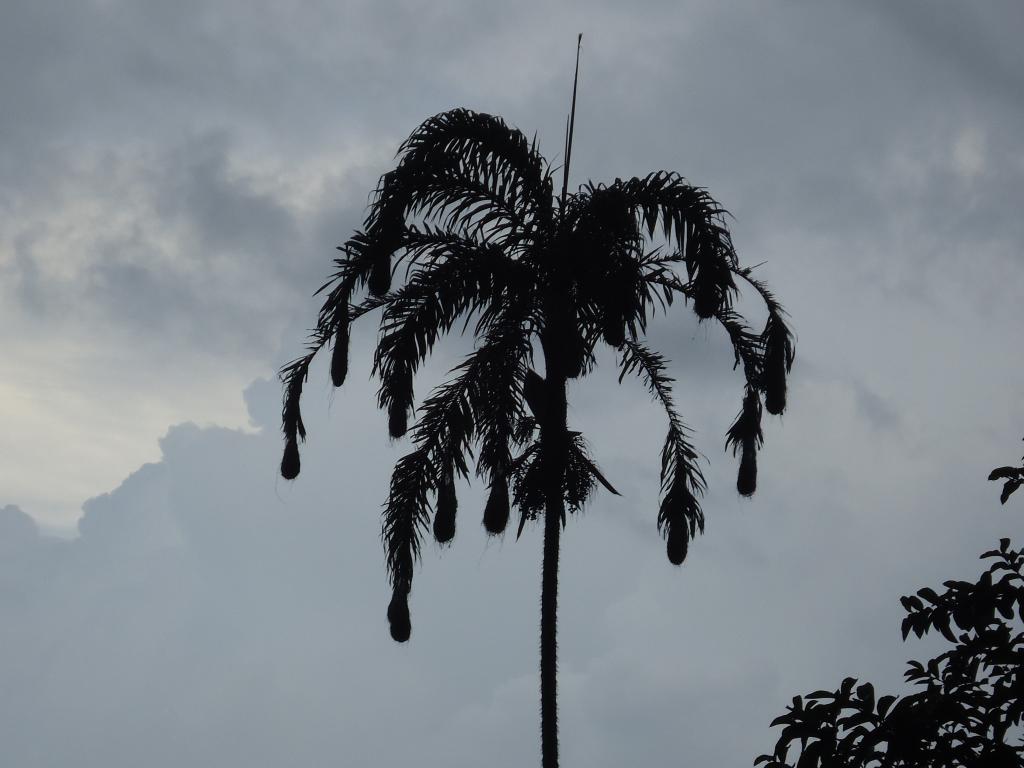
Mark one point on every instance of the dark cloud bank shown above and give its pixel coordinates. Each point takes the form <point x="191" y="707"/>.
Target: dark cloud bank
<point x="209" y="614"/>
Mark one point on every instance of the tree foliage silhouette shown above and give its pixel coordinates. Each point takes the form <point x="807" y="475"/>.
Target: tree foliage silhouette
<point x="1012" y="477"/>
<point x="470" y="220"/>
<point x="970" y="699"/>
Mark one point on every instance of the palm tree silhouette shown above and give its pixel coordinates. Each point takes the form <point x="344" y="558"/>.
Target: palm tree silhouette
<point x="470" y="214"/>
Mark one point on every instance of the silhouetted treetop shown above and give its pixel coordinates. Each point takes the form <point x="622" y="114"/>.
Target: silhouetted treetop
<point x="466" y="232"/>
<point x="1013" y="478"/>
<point x="469" y="217"/>
<point x="970" y="701"/>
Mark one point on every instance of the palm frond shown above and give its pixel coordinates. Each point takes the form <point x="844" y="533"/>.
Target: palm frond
<point x="294" y="376"/>
<point x="682" y="483"/>
<point x="779" y="347"/>
<point x="335" y="318"/>
<point x="693" y="221"/>
<point x="406" y="515"/>
<point x="450" y="419"/>
<point x="614" y="297"/>
<point x="745" y="436"/>
<point x="461" y="277"/>
<point x="750" y="349"/>
<point x="360" y="268"/>
<point x="680" y="517"/>
<point x="498" y="405"/>
<point x="766" y="359"/>
<point x="747" y="346"/>
<point x="463" y="170"/>
<point x="481" y="146"/>
<point x="333" y="321"/>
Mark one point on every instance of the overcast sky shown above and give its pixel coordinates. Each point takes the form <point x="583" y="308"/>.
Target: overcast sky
<point x="173" y="180"/>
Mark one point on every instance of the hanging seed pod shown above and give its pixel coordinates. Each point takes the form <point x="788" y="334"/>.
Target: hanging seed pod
<point x="380" y="276"/>
<point x="290" y="460"/>
<point x="496" y="511"/>
<point x="398" y="420"/>
<point x="339" y="357"/>
<point x="706" y="298"/>
<point x="775" y="387"/>
<point x="778" y="359"/>
<point x="746" y="480"/>
<point x="444" y="518"/>
<point x="678" y="543"/>
<point x="613" y="330"/>
<point x="398" y="616"/>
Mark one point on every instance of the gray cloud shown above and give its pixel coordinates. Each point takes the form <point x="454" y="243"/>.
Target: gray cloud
<point x="172" y="183"/>
<point x="17" y="528"/>
<point x="210" y="613"/>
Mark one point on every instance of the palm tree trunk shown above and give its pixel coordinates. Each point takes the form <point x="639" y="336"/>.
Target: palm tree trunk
<point x="548" y="636"/>
<point x="554" y="437"/>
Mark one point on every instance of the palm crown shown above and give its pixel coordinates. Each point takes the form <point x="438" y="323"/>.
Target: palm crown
<point x="471" y="213"/>
<point x="470" y="220"/>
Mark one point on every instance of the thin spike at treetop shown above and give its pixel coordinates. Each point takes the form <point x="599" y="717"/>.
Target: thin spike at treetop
<point x="572" y="123"/>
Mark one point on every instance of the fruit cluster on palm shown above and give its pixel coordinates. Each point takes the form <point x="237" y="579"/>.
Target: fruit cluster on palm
<point x="467" y="231"/>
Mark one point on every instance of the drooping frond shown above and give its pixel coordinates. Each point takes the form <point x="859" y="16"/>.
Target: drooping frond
<point x="464" y="171"/>
<point x="291" y="418"/>
<point x="745" y="437"/>
<point x="679" y="517"/>
<point x="333" y="323"/>
<point x="450" y="419"/>
<point x="499" y="405"/>
<point x="406" y="514"/>
<point x="481" y="146"/>
<point x="689" y="218"/>
<point x="747" y="346"/>
<point x="766" y="357"/>
<point x="751" y="351"/>
<point x="651" y="367"/>
<point x="601" y="246"/>
<point x="778" y="345"/>
<point x="442" y="437"/>
<point x="614" y="298"/>
<point x="460" y="276"/>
